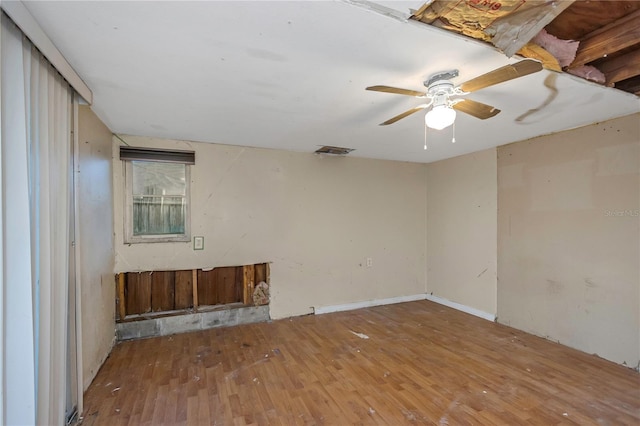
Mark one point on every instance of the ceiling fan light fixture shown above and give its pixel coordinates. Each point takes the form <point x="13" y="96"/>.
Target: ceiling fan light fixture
<point x="439" y="117"/>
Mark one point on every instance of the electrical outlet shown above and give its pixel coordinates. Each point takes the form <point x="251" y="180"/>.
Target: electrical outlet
<point x="369" y="262"/>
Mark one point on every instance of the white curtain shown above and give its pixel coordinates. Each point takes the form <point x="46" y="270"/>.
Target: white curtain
<point x="35" y="162"/>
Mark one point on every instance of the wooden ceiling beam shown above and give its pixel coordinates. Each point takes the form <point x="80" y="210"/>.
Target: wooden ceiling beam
<point x="631" y="85"/>
<point x="622" y="67"/>
<point x="609" y="39"/>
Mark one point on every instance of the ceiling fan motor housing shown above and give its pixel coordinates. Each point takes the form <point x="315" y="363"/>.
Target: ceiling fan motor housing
<point x="440" y="91"/>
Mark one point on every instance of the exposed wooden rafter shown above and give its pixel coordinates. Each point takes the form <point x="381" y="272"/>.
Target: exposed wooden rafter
<point x="609" y="39"/>
<point x="631" y="85"/>
<point x="608" y="33"/>
<point x="621" y="67"/>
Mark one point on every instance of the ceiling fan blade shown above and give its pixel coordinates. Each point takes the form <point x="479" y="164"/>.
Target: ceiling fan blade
<point x="389" y="89"/>
<point x="404" y="114"/>
<point x="502" y="74"/>
<point x="476" y="109"/>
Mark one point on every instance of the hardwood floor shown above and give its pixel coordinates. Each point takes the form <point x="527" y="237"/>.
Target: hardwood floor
<point x="410" y="363"/>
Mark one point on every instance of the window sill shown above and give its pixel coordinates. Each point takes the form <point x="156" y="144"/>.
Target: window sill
<point x="158" y="239"/>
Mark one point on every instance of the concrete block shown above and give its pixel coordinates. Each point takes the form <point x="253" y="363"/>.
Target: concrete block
<point x="254" y="314"/>
<point x="180" y="324"/>
<point x="165" y="326"/>
<point x="137" y="329"/>
<point x="215" y="319"/>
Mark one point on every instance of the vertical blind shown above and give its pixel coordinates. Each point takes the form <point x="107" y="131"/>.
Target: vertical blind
<point x="35" y="201"/>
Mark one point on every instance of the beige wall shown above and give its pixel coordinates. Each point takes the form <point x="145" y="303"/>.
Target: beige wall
<point x="315" y="218"/>
<point x="461" y="230"/>
<point x="542" y="215"/>
<point x="568" y="238"/>
<point x="95" y="246"/>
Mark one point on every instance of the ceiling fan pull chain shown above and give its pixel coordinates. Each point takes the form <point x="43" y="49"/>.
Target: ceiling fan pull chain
<point x="425" y="137"/>
<point x="453" y="139"/>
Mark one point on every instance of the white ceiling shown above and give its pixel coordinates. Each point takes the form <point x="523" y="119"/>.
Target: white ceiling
<point x="291" y="75"/>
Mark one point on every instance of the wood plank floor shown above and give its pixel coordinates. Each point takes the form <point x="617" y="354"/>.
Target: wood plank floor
<point x="422" y="363"/>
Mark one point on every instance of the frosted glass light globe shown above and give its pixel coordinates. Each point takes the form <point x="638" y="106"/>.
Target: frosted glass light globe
<point x="439" y="117"/>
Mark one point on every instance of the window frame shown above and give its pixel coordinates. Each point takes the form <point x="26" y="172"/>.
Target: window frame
<point x="129" y="238"/>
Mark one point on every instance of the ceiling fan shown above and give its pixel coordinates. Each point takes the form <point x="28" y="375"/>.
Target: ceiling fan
<point x="440" y="90"/>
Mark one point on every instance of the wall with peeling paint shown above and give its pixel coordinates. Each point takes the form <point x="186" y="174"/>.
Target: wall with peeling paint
<point x="95" y="242"/>
<point x="461" y="230"/>
<point x="315" y="218"/>
<point x="568" y="233"/>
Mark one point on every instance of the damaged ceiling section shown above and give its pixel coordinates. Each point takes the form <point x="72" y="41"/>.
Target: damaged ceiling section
<point x="596" y="40"/>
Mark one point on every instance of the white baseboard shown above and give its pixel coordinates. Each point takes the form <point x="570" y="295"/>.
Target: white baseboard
<point x="366" y="304"/>
<point x="461" y="307"/>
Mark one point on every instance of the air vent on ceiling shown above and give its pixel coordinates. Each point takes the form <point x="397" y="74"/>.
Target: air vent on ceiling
<point x="334" y="150"/>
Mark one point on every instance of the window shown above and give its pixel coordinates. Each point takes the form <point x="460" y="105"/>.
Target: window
<point x="157" y="199"/>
